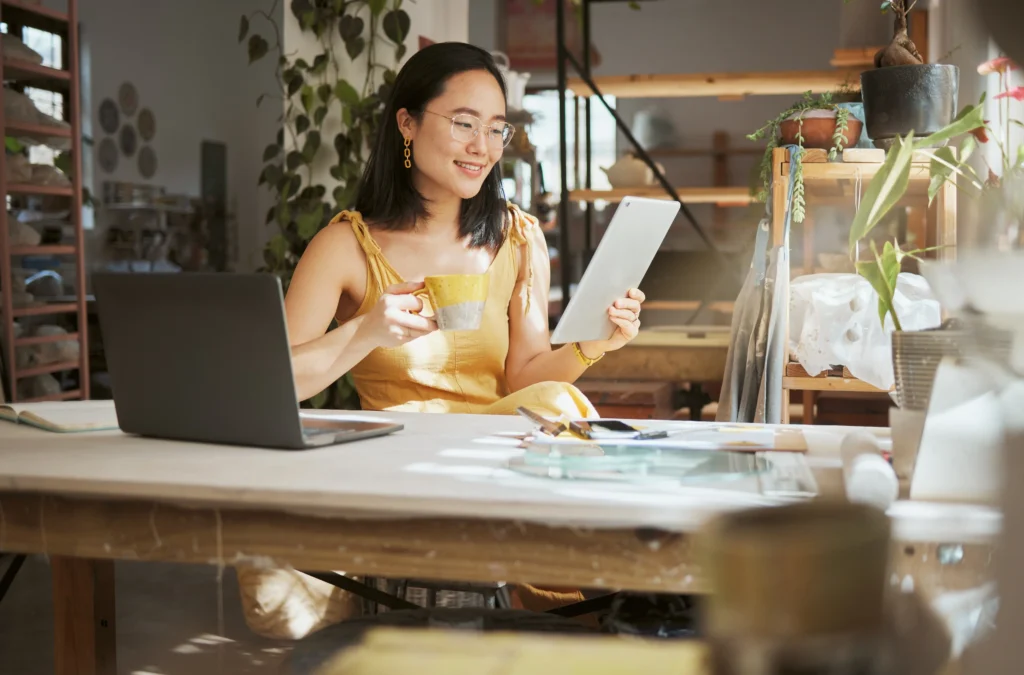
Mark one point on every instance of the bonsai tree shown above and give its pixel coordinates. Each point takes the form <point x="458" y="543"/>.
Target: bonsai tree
<point x="901" y="50"/>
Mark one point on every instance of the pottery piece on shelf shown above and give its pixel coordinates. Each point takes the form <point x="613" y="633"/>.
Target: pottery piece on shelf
<point x="631" y="171"/>
<point x="819" y="128"/>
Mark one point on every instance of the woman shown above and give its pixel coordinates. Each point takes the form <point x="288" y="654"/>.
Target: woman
<point x="431" y="202"/>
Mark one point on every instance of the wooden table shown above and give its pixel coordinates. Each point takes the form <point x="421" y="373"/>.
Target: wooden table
<point x="433" y="501"/>
<point x="670" y="354"/>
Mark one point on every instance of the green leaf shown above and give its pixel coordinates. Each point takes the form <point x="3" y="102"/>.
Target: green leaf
<point x="377" y="6"/>
<point x="308" y="97"/>
<point x="882" y="273"/>
<point x="278" y="246"/>
<point x="350" y="27"/>
<point x="345" y="196"/>
<point x="969" y="119"/>
<point x="319" y="115"/>
<point x="1020" y="156"/>
<point x="885" y="6"/>
<point x="271" y="174"/>
<point x="346" y="116"/>
<point x="940" y="171"/>
<point x="324" y="91"/>
<point x="354" y="47"/>
<point x="13" y="145"/>
<point x="884" y="190"/>
<point x="400" y="51"/>
<point x="337" y="173"/>
<point x="284" y="214"/>
<point x="258" y="48"/>
<point x="280" y="136"/>
<point x="396" y="25"/>
<point x="346" y="93"/>
<point x="295" y="160"/>
<point x="311" y="146"/>
<point x="243" y="28"/>
<point x="343" y="146"/>
<point x="320" y="64"/>
<point x="271" y="152"/>
<point x="270" y="214"/>
<point x="301" y="124"/>
<point x="308" y="222"/>
<point x="308" y="19"/>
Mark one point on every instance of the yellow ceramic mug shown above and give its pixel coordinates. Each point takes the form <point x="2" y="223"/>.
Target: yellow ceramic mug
<point x="457" y="299"/>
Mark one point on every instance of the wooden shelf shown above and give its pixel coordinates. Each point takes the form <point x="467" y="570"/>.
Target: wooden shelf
<point x="724" y="196"/>
<point x="43" y="310"/>
<point x="48" y="368"/>
<point x="854" y="57"/>
<point x="724" y="306"/>
<point x="38" y="76"/>
<point x="829" y="384"/>
<point x="34" y="16"/>
<point x="30" y="189"/>
<point x="722" y="85"/>
<point x="44" y="249"/>
<point x="39" y="132"/>
<point x="45" y="340"/>
<point x="69" y="395"/>
<point x="702" y="152"/>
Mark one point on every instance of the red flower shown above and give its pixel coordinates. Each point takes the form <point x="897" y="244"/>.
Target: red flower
<point x="981" y="133"/>
<point x="1014" y="93"/>
<point x="997" y="65"/>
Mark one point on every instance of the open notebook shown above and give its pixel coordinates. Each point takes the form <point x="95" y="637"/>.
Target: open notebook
<point x="63" y="416"/>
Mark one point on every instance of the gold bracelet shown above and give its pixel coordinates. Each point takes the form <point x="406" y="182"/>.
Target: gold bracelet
<point x="584" y="359"/>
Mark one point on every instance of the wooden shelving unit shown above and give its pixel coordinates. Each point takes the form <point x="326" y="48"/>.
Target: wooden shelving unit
<point x="66" y="82"/>
<point x="721" y="85"/>
<point x="823" y="180"/>
<point x="720" y="196"/>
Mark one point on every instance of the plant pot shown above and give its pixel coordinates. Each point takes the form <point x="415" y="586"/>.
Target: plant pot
<point x="901" y="99"/>
<point x="818" y="132"/>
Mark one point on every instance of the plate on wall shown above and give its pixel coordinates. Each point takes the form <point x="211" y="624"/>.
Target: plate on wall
<point x="147" y="162"/>
<point x="107" y="155"/>
<point x="129" y="141"/>
<point x="128" y="97"/>
<point x="109" y="116"/>
<point x="147" y="124"/>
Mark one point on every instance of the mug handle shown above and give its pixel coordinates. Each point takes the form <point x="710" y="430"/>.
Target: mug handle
<point x="501" y="59"/>
<point x="424" y="294"/>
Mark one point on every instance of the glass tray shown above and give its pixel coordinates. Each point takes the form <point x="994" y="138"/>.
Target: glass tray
<point x="631" y="464"/>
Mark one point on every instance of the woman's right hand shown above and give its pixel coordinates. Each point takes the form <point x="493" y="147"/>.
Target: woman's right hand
<point x="395" y="319"/>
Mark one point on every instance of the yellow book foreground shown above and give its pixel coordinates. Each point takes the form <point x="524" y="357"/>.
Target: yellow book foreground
<point x="387" y="651"/>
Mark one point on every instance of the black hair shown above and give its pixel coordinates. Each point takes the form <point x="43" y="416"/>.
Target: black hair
<point x="387" y="196"/>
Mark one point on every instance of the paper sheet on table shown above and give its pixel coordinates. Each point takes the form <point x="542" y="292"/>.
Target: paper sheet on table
<point x="698" y="436"/>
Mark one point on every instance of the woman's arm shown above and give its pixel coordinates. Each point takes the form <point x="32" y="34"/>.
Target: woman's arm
<point x="319" y="356"/>
<point x="325" y="271"/>
<point x="530" y="356"/>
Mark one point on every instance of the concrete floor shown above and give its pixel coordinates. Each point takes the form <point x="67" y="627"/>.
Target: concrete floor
<point x="166" y="623"/>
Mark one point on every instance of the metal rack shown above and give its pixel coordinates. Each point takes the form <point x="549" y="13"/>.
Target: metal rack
<point x="66" y="81"/>
<point x="721" y="85"/>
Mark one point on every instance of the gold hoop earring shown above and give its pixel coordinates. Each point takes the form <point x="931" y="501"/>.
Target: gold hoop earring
<point x="408" y="154"/>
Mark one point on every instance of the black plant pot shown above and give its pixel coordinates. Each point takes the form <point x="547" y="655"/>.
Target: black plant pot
<point x="901" y="99"/>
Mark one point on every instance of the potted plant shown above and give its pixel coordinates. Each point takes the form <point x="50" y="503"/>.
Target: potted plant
<point x="822" y="122"/>
<point x="903" y="93"/>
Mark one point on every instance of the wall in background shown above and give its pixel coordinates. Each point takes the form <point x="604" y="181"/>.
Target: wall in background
<point x="188" y="68"/>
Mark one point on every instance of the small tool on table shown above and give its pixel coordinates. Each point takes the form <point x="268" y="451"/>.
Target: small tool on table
<point x="583" y="429"/>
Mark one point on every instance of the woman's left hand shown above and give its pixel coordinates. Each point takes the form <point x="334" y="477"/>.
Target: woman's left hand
<point x="625" y="314"/>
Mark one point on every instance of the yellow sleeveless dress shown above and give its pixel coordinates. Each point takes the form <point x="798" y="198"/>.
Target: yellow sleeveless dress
<point x="456" y="371"/>
<point x="444" y="372"/>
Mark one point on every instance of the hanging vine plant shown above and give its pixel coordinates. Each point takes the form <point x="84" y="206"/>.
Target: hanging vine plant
<point x="369" y="32"/>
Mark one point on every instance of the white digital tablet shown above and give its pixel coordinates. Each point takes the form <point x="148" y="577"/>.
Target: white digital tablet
<point x="620" y="262"/>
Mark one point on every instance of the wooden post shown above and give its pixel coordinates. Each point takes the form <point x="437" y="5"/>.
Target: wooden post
<point x="780" y="188"/>
<point x="720" y="173"/>
<point x="85" y="640"/>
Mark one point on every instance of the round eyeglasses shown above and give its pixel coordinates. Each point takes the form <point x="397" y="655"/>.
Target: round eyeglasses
<point x="466" y="127"/>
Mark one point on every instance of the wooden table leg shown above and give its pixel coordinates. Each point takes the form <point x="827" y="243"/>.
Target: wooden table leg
<point x="85" y="639"/>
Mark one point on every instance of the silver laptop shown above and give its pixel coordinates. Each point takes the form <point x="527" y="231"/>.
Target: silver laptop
<point x="205" y="357"/>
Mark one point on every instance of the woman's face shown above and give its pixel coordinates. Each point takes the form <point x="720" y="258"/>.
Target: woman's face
<point x="447" y="157"/>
